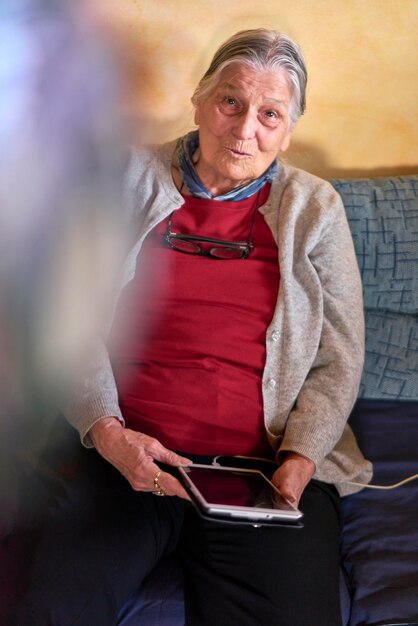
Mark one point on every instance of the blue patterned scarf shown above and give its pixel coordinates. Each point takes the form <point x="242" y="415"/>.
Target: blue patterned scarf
<point x="188" y="145"/>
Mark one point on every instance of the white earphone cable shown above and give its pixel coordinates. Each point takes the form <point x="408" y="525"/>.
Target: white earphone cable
<point x="394" y="486"/>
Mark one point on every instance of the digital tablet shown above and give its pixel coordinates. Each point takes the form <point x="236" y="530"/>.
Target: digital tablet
<point x="236" y="494"/>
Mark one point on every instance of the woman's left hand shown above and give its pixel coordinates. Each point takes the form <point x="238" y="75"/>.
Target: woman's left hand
<point x="293" y="475"/>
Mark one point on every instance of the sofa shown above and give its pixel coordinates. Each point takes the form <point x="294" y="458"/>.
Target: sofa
<point x="379" y="548"/>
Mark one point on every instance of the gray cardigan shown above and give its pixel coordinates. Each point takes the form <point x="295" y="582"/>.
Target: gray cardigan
<point x="315" y="342"/>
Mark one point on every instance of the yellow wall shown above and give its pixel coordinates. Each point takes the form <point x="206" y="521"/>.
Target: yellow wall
<point x="361" y="115"/>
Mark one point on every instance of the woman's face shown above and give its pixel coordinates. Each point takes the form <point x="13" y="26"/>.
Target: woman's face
<point x="243" y="124"/>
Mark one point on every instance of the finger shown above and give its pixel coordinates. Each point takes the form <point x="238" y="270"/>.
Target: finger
<point x="141" y="476"/>
<point x="290" y="494"/>
<point x="160" y="453"/>
<point x="287" y="488"/>
<point x="172" y="486"/>
<point x="166" y="482"/>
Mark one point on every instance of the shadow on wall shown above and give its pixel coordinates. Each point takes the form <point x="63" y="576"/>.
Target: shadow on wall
<point x="311" y="158"/>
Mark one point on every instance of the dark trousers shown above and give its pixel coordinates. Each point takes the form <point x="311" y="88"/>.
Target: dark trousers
<point x="94" y="540"/>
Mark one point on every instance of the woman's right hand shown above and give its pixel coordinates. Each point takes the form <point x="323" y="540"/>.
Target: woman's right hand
<point x="135" y="454"/>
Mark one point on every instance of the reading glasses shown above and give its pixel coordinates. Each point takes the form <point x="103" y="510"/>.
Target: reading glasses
<point x="207" y="246"/>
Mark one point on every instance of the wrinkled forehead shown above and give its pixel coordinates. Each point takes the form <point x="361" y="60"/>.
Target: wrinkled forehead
<point x="239" y="77"/>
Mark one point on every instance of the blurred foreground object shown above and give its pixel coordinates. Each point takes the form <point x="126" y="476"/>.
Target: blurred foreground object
<point x="60" y="167"/>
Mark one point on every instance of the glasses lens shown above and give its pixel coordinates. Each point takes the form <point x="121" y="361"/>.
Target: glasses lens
<point x="184" y="246"/>
<point x="227" y="253"/>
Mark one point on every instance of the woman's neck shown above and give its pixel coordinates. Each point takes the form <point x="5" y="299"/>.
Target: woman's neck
<point x="211" y="180"/>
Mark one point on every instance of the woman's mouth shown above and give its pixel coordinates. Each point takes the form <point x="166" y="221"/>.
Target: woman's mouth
<point x="239" y="154"/>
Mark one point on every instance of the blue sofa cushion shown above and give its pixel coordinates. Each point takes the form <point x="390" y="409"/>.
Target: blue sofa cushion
<point x="380" y="538"/>
<point x="383" y="218"/>
<point x="391" y="362"/>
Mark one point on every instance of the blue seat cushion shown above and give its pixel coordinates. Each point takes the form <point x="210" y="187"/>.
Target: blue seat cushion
<point x="380" y="538"/>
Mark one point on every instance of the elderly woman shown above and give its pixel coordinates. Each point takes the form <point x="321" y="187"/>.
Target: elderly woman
<point x="238" y="331"/>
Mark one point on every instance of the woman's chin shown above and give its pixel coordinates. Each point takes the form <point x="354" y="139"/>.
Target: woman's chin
<point x="237" y="175"/>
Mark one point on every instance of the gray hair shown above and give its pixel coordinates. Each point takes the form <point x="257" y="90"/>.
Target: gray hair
<point x="261" y="49"/>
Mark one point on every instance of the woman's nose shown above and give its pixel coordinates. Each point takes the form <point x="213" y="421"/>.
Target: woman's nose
<point x="245" y="125"/>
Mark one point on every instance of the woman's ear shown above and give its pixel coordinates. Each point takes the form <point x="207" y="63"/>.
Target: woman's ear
<point x="197" y="115"/>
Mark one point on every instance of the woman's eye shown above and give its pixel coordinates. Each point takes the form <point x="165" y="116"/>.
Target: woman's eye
<point x="230" y="105"/>
<point x="271" y="118"/>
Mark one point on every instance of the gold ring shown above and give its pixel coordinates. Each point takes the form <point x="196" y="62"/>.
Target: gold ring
<point x="159" y="491"/>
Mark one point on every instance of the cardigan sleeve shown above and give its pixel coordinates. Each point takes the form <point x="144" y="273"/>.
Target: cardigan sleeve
<point x="148" y="191"/>
<point x="317" y="420"/>
<point x="92" y="393"/>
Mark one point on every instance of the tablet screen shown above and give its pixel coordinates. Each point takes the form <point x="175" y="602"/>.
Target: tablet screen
<point x="234" y="489"/>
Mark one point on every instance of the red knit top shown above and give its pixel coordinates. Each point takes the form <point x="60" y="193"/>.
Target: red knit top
<point x="188" y="342"/>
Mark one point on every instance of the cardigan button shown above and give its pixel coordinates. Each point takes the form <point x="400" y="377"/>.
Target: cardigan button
<point x="271" y="383"/>
<point x="275" y="335"/>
